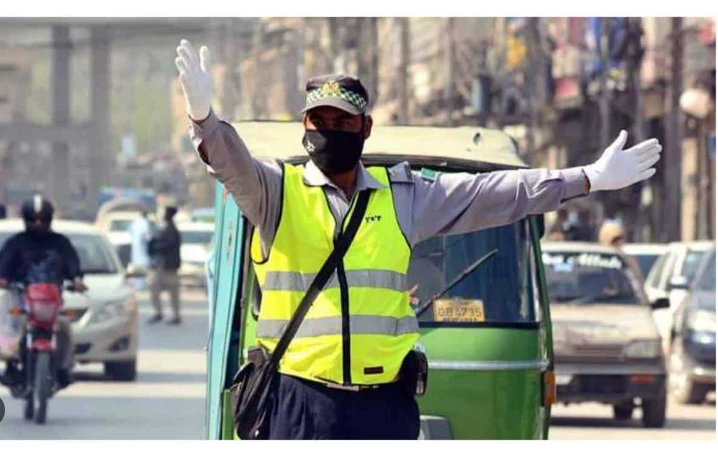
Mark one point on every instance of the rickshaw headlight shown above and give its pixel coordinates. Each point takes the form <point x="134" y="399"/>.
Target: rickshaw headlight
<point x="643" y="349"/>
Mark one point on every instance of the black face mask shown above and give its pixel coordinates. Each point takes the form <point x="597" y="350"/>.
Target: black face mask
<point x="38" y="231"/>
<point x="334" y="152"/>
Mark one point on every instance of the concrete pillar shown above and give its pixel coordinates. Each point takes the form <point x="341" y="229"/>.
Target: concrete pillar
<point x="100" y="157"/>
<point x="60" y="179"/>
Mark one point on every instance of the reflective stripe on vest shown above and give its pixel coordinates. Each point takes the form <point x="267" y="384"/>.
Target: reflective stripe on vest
<point x="368" y="278"/>
<point x="328" y="326"/>
<point x="359" y="334"/>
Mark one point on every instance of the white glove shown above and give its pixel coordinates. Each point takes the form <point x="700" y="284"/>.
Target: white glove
<point x="196" y="79"/>
<point x="618" y="168"/>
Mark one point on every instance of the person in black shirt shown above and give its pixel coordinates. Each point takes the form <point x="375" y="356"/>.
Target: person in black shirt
<point x="165" y="254"/>
<point x="40" y="255"/>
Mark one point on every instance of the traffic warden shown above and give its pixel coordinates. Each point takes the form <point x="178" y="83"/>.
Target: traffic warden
<point x="338" y="378"/>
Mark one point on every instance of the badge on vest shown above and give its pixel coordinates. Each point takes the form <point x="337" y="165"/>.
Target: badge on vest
<point x="373" y="370"/>
<point x="429" y="174"/>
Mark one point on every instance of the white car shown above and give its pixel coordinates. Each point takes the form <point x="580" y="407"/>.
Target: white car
<point x="670" y="278"/>
<point x="645" y="254"/>
<point x="104" y="319"/>
<point x="194" y="251"/>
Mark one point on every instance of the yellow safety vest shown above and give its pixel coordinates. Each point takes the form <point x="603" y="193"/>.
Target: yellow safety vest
<point x="361" y="325"/>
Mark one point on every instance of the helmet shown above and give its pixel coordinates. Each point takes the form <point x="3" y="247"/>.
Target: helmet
<point x="37" y="213"/>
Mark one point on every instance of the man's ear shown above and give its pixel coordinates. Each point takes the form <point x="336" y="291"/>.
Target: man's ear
<point x="368" y="123"/>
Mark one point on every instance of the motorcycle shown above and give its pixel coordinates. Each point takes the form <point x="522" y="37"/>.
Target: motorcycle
<point x="40" y="306"/>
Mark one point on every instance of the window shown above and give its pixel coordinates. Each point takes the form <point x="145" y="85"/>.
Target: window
<point x="496" y="291"/>
<point x="668" y="270"/>
<point x="120" y="225"/>
<point x="654" y="277"/>
<point x="587" y="278"/>
<point x="646" y="262"/>
<point x="95" y="256"/>
<point x="707" y="280"/>
<point x="691" y="263"/>
<point x="196" y="237"/>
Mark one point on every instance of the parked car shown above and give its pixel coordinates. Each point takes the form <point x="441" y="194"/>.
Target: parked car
<point x="692" y="360"/>
<point x="104" y="320"/>
<point x="194" y="252"/>
<point x="645" y="254"/>
<point x="670" y="278"/>
<point x="606" y="345"/>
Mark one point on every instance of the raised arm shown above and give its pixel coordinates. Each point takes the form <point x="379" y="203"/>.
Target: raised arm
<point x="255" y="185"/>
<point x="459" y="203"/>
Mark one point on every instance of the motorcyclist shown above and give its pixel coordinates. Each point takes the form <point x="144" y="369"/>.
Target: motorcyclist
<point x="36" y="255"/>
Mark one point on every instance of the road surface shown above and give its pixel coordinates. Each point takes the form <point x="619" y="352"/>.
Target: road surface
<point x="167" y="400"/>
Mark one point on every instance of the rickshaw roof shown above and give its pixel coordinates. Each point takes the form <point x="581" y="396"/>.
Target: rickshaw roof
<point x="282" y="140"/>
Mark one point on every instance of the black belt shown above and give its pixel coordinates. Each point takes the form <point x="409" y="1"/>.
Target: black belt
<point x="355" y="388"/>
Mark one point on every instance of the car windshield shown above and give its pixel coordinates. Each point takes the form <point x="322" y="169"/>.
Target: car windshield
<point x="693" y="261"/>
<point x="95" y="256"/>
<point x="646" y="262"/>
<point x="497" y="291"/>
<point x="587" y="278"/>
<point x="120" y="225"/>
<point x="707" y="280"/>
<point x="196" y="237"/>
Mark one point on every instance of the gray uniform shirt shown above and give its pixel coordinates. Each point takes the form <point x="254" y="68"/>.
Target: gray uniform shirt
<point x="449" y="204"/>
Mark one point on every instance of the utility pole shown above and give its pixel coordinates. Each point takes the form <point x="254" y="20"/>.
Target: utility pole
<point x="605" y="99"/>
<point x="633" y="61"/>
<point x="450" y="70"/>
<point x="534" y="81"/>
<point x="59" y="189"/>
<point x="671" y="222"/>
<point x="403" y="73"/>
<point x="374" y="59"/>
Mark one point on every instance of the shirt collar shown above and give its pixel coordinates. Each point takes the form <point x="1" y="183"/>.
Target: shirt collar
<point x="314" y="177"/>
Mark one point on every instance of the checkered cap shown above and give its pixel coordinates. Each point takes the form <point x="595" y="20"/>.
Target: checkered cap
<point x="338" y="90"/>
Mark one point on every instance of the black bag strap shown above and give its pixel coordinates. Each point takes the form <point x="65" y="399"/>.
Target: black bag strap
<point x="320" y="280"/>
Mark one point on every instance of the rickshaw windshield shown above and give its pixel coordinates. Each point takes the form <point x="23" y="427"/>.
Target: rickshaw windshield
<point x="497" y="291"/>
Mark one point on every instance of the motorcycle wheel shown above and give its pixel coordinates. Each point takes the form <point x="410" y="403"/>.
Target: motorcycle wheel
<point x="42" y="385"/>
<point x="27" y="389"/>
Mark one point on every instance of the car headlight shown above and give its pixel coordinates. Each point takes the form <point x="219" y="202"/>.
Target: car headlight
<point x="703" y="337"/>
<point x="701" y="321"/>
<point x="112" y="310"/>
<point x="643" y="349"/>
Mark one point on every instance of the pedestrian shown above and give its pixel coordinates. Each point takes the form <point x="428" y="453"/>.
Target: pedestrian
<point x="582" y="230"/>
<point x="612" y="234"/>
<point x="165" y="253"/>
<point x="558" y="230"/>
<point x="140" y="255"/>
<point x="344" y="378"/>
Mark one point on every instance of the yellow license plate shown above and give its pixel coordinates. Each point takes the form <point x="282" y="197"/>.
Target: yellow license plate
<point x="459" y="310"/>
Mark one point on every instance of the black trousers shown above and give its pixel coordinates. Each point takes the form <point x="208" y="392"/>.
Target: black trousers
<point x="305" y="410"/>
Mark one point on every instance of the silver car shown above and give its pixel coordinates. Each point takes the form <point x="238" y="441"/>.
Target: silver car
<point x="606" y="344"/>
<point x="104" y="320"/>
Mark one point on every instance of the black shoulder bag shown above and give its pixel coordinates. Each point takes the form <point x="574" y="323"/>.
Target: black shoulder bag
<point x="252" y="384"/>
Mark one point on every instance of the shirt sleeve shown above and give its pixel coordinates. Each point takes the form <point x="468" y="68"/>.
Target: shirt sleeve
<point x="7" y="258"/>
<point x="256" y="185"/>
<point x="454" y="203"/>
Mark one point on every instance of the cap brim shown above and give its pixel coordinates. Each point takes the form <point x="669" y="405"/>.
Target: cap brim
<point x="335" y="103"/>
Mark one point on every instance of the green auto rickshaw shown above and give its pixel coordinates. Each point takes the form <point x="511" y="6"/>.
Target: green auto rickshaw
<point x="480" y="297"/>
